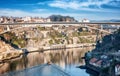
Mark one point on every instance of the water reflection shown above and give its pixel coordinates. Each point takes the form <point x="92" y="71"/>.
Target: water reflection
<point x="67" y="59"/>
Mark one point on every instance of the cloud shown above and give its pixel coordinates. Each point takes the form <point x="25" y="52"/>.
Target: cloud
<point x="65" y="5"/>
<point x="40" y="10"/>
<point x="115" y="3"/>
<point x="83" y="4"/>
<point x="20" y="13"/>
<point x="75" y="4"/>
<point x="41" y="13"/>
<point x="41" y="3"/>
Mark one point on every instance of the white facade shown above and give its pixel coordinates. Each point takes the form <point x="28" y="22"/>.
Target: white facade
<point x="48" y="20"/>
<point x="85" y="20"/>
<point x="1" y="19"/>
<point x="26" y="18"/>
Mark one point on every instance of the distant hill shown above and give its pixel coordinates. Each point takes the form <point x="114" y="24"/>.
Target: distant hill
<point x="112" y="20"/>
<point x="60" y="18"/>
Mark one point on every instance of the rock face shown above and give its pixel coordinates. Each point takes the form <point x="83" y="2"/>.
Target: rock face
<point x="40" y="36"/>
<point x="7" y="52"/>
<point x="4" y="47"/>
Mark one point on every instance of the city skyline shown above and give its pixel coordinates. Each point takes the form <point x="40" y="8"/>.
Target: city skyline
<point x="79" y="9"/>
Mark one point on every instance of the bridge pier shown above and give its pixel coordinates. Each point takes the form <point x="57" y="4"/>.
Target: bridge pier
<point x="101" y="27"/>
<point x="8" y="28"/>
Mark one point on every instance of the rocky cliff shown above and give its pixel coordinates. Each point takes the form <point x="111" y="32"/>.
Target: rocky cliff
<point x="4" y="47"/>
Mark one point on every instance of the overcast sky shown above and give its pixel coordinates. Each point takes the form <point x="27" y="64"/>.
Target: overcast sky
<point x="79" y="9"/>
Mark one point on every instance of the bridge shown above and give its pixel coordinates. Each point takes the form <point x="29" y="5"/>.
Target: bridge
<point x="81" y="24"/>
<point x="44" y="23"/>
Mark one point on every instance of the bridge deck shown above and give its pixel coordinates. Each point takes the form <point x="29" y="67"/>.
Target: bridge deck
<point x="41" y="70"/>
<point x="115" y="23"/>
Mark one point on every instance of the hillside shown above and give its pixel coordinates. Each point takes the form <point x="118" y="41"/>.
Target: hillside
<point x="4" y="47"/>
<point x="109" y="43"/>
<point x="61" y="18"/>
<point x="46" y="36"/>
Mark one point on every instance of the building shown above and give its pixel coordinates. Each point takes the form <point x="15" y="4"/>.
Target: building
<point x="1" y="20"/>
<point x="48" y="20"/>
<point x="26" y="19"/>
<point x="85" y="20"/>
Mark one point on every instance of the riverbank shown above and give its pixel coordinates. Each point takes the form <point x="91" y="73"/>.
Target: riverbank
<point x="10" y="55"/>
<point x="61" y="46"/>
<point x="17" y="53"/>
<point x="7" y="52"/>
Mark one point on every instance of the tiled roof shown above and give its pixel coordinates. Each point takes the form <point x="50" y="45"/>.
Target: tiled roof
<point x="93" y="60"/>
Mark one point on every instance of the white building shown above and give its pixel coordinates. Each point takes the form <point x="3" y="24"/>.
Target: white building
<point x="48" y="20"/>
<point x="26" y="19"/>
<point x="1" y="19"/>
<point x="85" y="20"/>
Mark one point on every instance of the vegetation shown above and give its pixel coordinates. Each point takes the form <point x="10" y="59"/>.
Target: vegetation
<point x="109" y="43"/>
<point x="11" y="38"/>
<point x="51" y="42"/>
<point x="55" y="34"/>
<point x="84" y="40"/>
<point x="42" y="28"/>
<point x="84" y="33"/>
<point x="19" y="42"/>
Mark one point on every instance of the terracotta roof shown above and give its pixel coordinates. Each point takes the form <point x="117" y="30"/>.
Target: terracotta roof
<point x="99" y="62"/>
<point x="93" y="60"/>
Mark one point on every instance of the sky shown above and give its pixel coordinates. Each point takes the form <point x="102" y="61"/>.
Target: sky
<point x="79" y="9"/>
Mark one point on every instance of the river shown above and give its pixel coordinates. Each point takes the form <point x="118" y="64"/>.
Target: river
<point x="68" y="60"/>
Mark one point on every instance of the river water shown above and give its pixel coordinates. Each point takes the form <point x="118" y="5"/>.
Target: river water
<point x="68" y="60"/>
